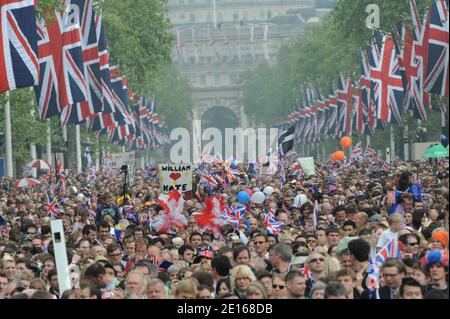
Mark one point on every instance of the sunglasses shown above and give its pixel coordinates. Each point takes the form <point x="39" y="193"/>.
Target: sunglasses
<point x="278" y="286"/>
<point x="316" y="260"/>
<point x="413" y="244"/>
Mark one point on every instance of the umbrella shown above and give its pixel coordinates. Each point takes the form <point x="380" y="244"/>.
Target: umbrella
<point x="39" y="164"/>
<point x="26" y="182"/>
<point x="436" y="151"/>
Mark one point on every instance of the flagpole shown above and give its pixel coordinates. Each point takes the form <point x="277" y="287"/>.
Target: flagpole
<point x="367" y="140"/>
<point x="8" y="138"/>
<point x="392" y="138"/>
<point x="97" y="154"/>
<point x="214" y="14"/>
<point x="32" y="145"/>
<point x="78" y="147"/>
<point x="49" y="143"/>
<point x="406" y="142"/>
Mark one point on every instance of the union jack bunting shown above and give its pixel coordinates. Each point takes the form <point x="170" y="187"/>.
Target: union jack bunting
<point x="438" y="53"/>
<point x="19" y="64"/>
<point x="386" y="80"/>
<point x="62" y="80"/>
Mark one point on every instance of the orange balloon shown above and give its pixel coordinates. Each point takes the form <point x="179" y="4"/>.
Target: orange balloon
<point x="346" y="142"/>
<point x="340" y="156"/>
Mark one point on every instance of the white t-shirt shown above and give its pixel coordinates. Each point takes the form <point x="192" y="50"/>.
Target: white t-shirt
<point x="385" y="237"/>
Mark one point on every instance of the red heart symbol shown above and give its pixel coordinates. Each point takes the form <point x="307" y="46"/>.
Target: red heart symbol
<point x="175" y="176"/>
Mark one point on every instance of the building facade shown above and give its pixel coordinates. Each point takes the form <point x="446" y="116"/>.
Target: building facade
<point x="217" y="40"/>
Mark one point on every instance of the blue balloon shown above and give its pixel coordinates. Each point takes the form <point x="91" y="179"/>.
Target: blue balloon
<point x="243" y="197"/>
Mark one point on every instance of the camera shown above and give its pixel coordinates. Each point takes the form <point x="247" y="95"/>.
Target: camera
<point x="124" y="169"/>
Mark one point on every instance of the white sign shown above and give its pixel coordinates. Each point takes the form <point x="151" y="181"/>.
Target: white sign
<point x="121" y="159"/>
<point x="175" y="176"/>
<point x="307" y="164"/>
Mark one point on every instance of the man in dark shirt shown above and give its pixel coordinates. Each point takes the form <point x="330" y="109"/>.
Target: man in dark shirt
<point x="108" y="207"/>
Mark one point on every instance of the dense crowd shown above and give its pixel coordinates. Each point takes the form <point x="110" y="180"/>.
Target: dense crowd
<point x="329" y="236"/>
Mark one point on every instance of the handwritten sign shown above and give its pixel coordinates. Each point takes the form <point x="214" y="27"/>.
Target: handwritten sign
<point x="175" y="176"/>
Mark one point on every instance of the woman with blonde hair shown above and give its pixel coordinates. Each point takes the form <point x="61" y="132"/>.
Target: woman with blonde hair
<point x="185" y="289"/>
<point x="256" y="290"/>
<point x="241" y="277"/>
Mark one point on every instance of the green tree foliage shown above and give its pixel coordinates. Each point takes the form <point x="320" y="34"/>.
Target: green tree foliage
<point x="174" y="98"/>
<point x="138" y="40"/>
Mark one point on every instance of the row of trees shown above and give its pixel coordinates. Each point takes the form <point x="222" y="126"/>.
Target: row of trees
<point x="272" y="90"/>
<point x="139" y="42"/>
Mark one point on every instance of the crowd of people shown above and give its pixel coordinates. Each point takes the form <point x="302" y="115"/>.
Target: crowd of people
<point x="330" y="242"/>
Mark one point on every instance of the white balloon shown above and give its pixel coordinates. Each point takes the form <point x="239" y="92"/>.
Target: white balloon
<point x="300" y="199"/>
<point x="268" y="190"/>
<point x="258" y="198"/>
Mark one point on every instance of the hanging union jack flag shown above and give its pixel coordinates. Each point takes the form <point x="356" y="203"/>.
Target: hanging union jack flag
<point x="438" y="52"/>
<point x="104" y="119"/>
<point x="345" y="105"/>
<point x="414" y="60"/>
<point x="62" y="80"/>
<point x="387" y="84"/>
<point x="19" y="64"/>
<point x="79" y="112"/>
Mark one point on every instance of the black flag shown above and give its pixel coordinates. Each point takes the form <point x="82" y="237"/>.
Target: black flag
<point x="286" y="141"/>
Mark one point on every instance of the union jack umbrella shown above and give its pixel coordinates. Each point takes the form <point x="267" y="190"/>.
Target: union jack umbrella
<point x="39" y="164"/>
<point x="26" y="182"/>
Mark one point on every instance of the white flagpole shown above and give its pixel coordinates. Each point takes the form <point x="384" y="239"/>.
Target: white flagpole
<point x="8" y="138"/>
<point x="252" y="40"/>
<point x="392" y="136"/>
<point x="49" y="144"/>
<point x="78" y="147"/>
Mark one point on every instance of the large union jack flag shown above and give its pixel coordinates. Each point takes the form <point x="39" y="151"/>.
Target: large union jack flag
<point x="19" y="64"/>
<point x="345" y="105"/>
<point x="62" y="80"/>
<point x="387" y="84"/>
<point x="79" y="112"/>
<point x="438" y="51"/>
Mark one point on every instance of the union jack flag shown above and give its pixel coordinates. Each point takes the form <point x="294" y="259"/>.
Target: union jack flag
<point x="104" y="119"/>
<point x="52" y="207"/>
<point x="209" y="181"/>
<point x="357" y="153"/>
<point x="273" y="226"/>
<point x="78" y="113"/>
<point x="373" y="277"/>
<point x="438" y="53"/>
<point x="19" y="64"/>
<point x="345" y="104"/>
<point x="387" y="84"/>
<point x="234" y="215"/>
<point x="366" y="96"/>
<point x="369" y="152"/>
<point x="62" y="80"/>
<point x="332" y="105"/>
<point x="390" y="250"/>
<point x="414" y="60"/>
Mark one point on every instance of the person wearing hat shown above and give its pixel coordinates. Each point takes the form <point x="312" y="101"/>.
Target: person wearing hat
<point x="439" y="239"/>
<point x="435" y="262"/>
<point x="373" y="221"/>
